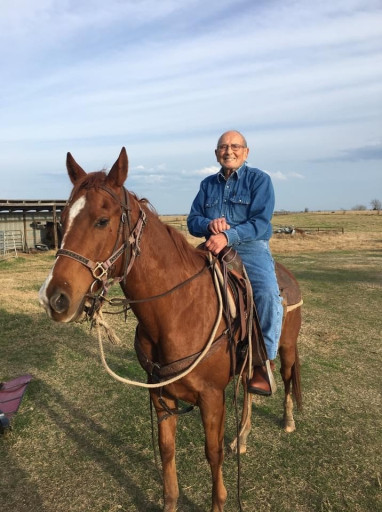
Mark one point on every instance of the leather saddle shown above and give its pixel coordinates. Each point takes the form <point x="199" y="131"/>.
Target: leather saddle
<point x="239" y="310"/>
<point x="237" y="294"/>
<point x="288" y="285"/>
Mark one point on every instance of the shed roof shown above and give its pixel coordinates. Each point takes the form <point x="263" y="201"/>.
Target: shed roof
<point x="31" y="205"/>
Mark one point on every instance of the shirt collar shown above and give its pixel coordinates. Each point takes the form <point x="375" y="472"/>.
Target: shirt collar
<point x="236" y="174"/>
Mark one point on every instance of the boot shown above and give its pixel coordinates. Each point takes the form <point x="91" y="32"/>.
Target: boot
<point x="262" y="381"/>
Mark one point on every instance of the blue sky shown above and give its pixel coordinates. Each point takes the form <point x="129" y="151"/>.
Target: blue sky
<point x="301" y="79"/>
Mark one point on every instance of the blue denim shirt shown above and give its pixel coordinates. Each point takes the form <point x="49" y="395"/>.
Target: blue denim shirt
<point x="246" y="200"/>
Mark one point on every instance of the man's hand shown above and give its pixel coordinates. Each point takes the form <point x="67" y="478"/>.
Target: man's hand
<point x="216" y="243"/>
<point x="218" y="225"/>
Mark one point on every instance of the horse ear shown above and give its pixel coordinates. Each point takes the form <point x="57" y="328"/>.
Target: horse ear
<point x="118" y="173"/>
<point x="74" y="170"/>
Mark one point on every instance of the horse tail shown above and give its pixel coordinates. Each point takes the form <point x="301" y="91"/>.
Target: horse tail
<point x="296" y="381"/>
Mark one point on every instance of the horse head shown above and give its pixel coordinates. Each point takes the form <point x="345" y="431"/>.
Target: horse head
<point x="92" y="232"/>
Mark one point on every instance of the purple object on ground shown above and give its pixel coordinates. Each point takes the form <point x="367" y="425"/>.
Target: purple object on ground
<point x="11" y="394"/>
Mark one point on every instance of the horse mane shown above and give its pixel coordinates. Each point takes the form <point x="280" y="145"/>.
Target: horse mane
<point x="143" y="201"/>
<point x="184" y="248"/>
<point x="186" y="251"/>
<point x="91" y="180"/>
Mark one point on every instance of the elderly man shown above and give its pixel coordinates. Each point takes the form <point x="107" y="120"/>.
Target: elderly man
<point x="234" y="208"/>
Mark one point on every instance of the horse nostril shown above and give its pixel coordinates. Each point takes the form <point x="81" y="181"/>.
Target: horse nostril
<point x="59" y="302"/>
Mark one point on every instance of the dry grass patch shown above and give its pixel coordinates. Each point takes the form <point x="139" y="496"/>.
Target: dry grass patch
<point x="362" y="230"/>
<point x="327" y="241"/>
<point x="82" y="442"/>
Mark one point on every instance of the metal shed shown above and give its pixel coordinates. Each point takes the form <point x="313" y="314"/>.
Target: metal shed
<point x="26" y="225"/>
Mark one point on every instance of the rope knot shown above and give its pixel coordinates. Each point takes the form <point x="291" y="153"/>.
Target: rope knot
<point x="99" y="321"/>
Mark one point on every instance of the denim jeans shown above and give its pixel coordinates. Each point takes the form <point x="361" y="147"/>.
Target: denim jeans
<point x="260" y="268"/>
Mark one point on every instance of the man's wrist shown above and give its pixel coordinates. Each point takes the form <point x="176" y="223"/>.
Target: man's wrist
<point x="232" y="236"/>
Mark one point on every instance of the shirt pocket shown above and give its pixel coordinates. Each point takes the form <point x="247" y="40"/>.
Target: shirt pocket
<point x="212" y="207"/>
<point x="239" y="208"/>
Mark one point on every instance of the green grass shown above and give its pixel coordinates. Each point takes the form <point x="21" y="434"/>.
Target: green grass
<point x="82" y="442"/>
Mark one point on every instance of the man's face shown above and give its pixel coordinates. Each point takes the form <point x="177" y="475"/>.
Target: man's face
<point x="231" y="158"/>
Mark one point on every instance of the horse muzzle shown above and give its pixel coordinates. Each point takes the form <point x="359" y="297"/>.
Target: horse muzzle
<point x="58" y="303"/>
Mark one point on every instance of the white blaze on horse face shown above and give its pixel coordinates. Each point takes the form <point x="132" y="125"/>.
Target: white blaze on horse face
<point x="75" y="209"/>
<point x="73" y="212"/>
<point x="44" y="300"/>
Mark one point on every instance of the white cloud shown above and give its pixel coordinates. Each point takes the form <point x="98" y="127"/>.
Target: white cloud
<point x="205" y="171"/>
<point x="296" y="175"/>
<point x="278" y="175"/>
<point x="154" y="178"/>
<point x="166" y="78"/>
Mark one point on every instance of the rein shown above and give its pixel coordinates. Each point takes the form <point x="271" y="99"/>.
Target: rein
<point x="115" y="301"/>
<point x="99" y="323"/>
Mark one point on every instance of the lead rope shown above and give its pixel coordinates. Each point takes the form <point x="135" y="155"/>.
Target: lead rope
<point x="99" y="322"/>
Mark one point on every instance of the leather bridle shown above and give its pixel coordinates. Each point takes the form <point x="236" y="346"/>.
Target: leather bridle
<point x="130" y="240"/>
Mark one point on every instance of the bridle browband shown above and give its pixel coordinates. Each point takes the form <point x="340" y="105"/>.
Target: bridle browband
<point x="130" y="239"/>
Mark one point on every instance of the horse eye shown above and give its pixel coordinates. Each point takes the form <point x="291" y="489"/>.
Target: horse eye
<point x="102" y="222"/>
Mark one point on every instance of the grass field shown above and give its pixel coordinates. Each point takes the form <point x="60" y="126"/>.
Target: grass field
<point x="82" y="442"/>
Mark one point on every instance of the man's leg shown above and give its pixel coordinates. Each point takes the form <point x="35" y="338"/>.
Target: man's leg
<point x="260" y="268"/>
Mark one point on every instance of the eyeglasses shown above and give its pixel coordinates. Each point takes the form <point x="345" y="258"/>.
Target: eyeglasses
<point x="234" y="147"/>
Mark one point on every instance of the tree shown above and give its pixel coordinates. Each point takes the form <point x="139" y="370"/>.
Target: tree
<point x="376" y="204"/>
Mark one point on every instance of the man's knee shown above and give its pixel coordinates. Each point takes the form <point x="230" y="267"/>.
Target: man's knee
<point x="267" y="296"/>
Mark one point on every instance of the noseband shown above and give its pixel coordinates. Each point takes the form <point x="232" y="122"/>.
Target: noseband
<point x="130" y="239"/>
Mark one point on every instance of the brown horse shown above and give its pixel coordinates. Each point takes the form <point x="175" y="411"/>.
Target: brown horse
<point x="110" y="234"/>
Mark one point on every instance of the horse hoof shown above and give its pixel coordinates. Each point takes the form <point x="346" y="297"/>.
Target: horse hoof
<point x="233" y="447"/>
<point x="289" y="426"/>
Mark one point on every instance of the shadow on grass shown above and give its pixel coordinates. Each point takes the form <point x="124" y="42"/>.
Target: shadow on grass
<point x="101" y="445"/>
<point x="17" y="491"/>
<point x="337" y="276"/>
<point x="33" y="345"/>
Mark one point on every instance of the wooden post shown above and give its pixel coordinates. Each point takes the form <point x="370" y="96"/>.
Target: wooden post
<point x="25" y="245"/>
<point x="55" y="228"/>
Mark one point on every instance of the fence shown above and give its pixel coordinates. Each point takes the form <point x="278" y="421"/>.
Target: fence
<point x="178" y="223"/>
<point x="10" y="242"/>
<point x="322" y="229"/>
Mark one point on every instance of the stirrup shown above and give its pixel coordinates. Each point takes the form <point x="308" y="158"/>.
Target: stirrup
<point x="271" y="378"/>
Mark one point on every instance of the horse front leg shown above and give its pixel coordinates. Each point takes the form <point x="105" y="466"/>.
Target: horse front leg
<point x="166" y="439"/>
<point x="212" y="410"/>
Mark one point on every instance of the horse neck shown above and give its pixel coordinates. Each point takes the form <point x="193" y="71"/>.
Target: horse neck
<point x="165" y="261"/>
<point x="165" y="258"/>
